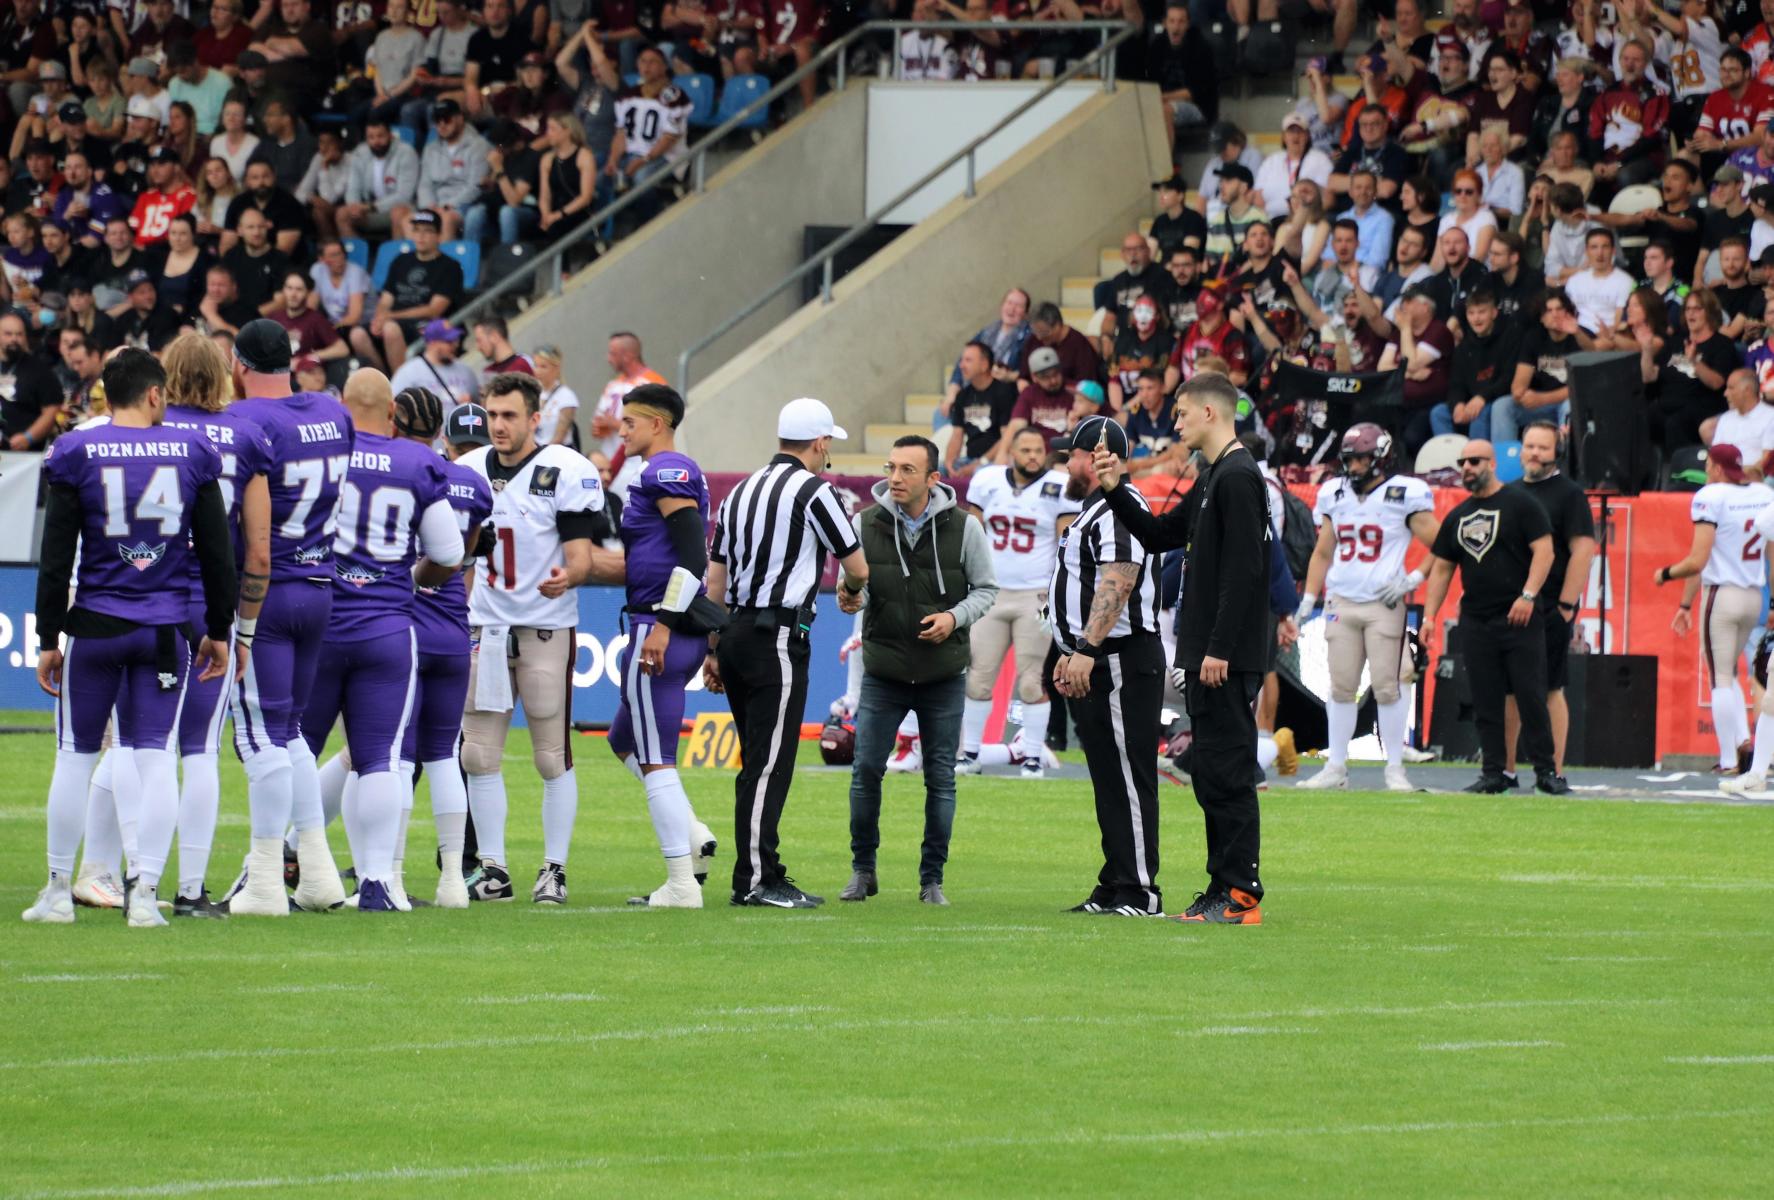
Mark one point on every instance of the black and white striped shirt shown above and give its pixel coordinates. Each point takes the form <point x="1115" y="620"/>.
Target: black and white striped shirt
<point x="773" y="533"/>
<point x="1095" y="538"/>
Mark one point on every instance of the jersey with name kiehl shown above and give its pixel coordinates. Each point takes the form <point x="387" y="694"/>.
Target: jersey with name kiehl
<point x="391" y="484"/>
<point x="1373" y="531"/>
<point x="1023" y="522"/>
<point x="530" y="503"/>
<point x="1490" y="538"/>
<point x="1737" y="548"/>
<point x="1096" y="539"/>
<point x="310" y="435"/>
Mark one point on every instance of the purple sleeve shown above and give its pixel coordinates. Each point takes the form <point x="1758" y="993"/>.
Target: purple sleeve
<point x="206" y="460"/>
<point x="60" y="461"/>
<point x="672" y="475"/>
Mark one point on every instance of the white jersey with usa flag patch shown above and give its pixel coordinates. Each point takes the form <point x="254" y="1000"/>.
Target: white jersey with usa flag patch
<point x="1372" y="531"/>
<point x="1023" y="523"/>
<point x="1738" y="547"/>
<point x="527" y="506"/>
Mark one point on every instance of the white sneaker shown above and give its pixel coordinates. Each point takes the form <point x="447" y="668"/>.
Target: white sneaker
<point x="452" y="891"/>
<point x="703" y="845"/>
<point x="1397" y="780"/>
<point x="968" y="764"/>
<point x="907" y="755"/>
<point x="320" y="887"/>
<point x="97" y="889"/>
<point x="397" y="890"/>
<point x="54" y="906"/>
<point x="1032" y="769"/>
<point x="1332" y="776"/>
<point x="144" y="909"/>
<point x="1740" y="785"/>
<point x="262" y="894"/>
<point x="1414" y="755"/>
<point x="670" y="894"/>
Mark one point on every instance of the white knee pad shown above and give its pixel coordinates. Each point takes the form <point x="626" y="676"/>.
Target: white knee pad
<point x="263" y="763"/>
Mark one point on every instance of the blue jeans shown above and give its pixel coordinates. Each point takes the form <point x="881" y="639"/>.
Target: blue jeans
<point x="1508" y="416"/>
<point x="1441" y="420"/>
<point x="879" y="710"/>
<point x="515" y="222"/>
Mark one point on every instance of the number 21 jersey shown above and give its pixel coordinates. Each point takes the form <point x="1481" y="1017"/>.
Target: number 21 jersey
<point x="531" y="502"/>
<point x="1022" y="523"/>
<point x="1737" y="548"/>
<point x="1372" y="531"/>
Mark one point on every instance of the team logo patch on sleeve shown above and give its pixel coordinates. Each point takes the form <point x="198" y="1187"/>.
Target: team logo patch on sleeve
<point x="672" y="475"/>
<point x="1050" y="491"/>
<point x="1395" y="492"/>
<point x="543" y="481"/>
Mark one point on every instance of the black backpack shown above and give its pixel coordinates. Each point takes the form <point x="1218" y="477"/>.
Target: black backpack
<point x="1299" y="533"/>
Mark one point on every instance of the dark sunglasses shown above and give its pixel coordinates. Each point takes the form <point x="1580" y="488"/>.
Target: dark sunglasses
<point x="1465" y="191"/>
<point x="1473" y="461"/>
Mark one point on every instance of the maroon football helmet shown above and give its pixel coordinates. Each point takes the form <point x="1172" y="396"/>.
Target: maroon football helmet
<point x="1365" y="439"/>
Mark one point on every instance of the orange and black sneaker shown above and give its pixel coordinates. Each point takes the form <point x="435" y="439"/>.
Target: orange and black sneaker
<point x="1232" y="907"/>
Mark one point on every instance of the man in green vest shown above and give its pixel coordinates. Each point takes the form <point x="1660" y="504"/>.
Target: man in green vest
<point x="930" y="577"/>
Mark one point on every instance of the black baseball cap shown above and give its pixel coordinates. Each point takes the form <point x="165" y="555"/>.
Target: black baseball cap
<point x="427" y="218"/>
<point x="445" y="109"/>
<point x="467" y="426"/>
<point x="1237" y="170"/>
<point x="164" y="154"/>
<point x="1089" y="432"/>
<point x="136" y="279"/>
<point x="263" y="346"/>
<point x="72" y="112"/>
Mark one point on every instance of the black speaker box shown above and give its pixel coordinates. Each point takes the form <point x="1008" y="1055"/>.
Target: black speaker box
<point x="1451" y="726"/>
<point x="1610" y="446"/>
<point x="1613" y="703"/>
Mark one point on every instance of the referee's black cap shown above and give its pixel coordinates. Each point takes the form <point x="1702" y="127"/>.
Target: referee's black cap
<point x="1091" y="431"/>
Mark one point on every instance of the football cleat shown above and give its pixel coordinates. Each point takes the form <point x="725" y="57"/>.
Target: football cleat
<point x="862" y="885"/>
<point x="782" y="894"/>
<point x="197" y="906"/>
<point x="54" y="905"/>
<point x="1287" y="757"/>
<point x="292" y="867"/>
<point x="1032" y="769"/>
<point x="320" y="887"/>
<point x="1234" y="906"/>
<point x="670" y="894"/>
<point x="1333" y="775"/>
<point x="1552" y="783"/>
<point x="1414" y="755"/>
<point x="702" y="848"/>
<point x="373" y="896"/>
<point x="259" y="891"/>
<point x="967" y="764"/>
<point x="489" y="882"/>
<point x="1490" y="785"/>
<point x="97" y="889"/>
<point x="1744" y="785"/>
<point x="397" y="891"/>
<point x="551" y="885"/>
<point x="1397" y="780"/>
<point x="452" y="890"/>
<point x="907" y="754"/>
<point x="144" y="907"/>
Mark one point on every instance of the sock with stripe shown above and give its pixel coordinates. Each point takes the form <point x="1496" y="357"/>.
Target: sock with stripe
<point x="560" y="806"/>
<point x="200" y="795"/>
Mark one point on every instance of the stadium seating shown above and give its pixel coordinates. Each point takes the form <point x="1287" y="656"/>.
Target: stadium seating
<point x="356" y="250"/>
<point x="468" y="254"/>
<point x="701" y="90"/>
<point x="740" y="91"/>
<point x="386" y="253"/>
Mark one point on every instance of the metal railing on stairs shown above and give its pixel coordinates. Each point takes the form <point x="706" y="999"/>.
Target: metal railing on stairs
<point x="549" y="261"/>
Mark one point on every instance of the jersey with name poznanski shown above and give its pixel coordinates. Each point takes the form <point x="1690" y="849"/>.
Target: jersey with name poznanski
<point x="773" y="533"/>
<point x="390" y="485"/>
<point x="1738" y="552"/>
<point x="1023" y="523"/>
<point x="1096" y="539"/>
<point x="246" y="454"/>
<point x="440" y="614"/>
<point x="137" y="489"/>
<point x="310" y="435"/>
<point x="529" y="504"/>
<point x="645" y="540"/>
<point x="1372" y="531"/>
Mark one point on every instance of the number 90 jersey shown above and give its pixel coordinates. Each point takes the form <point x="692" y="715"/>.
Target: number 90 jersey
<point x="528" y="505"/>
<point x="1732" y="509"/>
<point x="1023" y="523"/>
<point x="1372" y="531"/>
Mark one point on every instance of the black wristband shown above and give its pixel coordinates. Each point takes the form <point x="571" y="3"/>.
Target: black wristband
<point x="1086" y="650"/>
<point x="1565" y="605"/>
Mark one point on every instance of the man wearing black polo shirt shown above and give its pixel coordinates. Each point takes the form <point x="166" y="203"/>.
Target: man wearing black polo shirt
<point x="979" y="414"/>
<point x="1501" y="541"/>
<point x="1573" y="548"/>
<point x="1176" y="224"/>
<point x="422" y="285"/>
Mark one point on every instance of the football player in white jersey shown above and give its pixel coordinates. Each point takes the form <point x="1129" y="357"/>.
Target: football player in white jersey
<point x="548" y="518"/>
<point x="1756" y="778"/>
<point x="1365" y="524"/>
<point x="1025" y="510"/>
<point x="1727" y="558"/>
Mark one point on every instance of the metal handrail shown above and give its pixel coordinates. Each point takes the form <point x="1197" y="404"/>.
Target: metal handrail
<point x="1104" y="53"/>
<point x="551" y="256"/>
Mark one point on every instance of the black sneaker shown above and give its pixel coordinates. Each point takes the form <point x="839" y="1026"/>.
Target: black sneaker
<point x="1089" y="906"/>
<point x="489" y="882"/>
<point x="783" y="894"/>
<point x="1490" y="785"/>
<point x="743" y="899"/>
<point x="1512" y="779"/>
<point x="1552" y="783"/>
<point x="1202" y="902"/>
<point x="292" y="868"/>
<point x="198" y="906"/>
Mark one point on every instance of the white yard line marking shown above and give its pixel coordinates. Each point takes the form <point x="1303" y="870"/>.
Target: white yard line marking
<point x="118" y="977"/>
<point x="877" y="1149"/>
<point x="535" y="998"/>
<point x="1459" y="1046"/>
<point x="759" y="1010"/>
<point x="1239" y="1031"/>
<point x="300" y="989"/>
<point x="1721" y="1060"/>
<point x="1611" y="958"/>
<point x="1642" y="881"/>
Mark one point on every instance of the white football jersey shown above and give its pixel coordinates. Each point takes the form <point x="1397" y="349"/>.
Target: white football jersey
<point x="1023" y="523"/>
<point x="527" y="541"/>
<point x="1373" y="532"/>
<point x="1737" y="549"/>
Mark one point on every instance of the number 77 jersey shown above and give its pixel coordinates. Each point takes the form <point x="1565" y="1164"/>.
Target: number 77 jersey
<point x="1372" y="531"/>
<point x="1022" y="523"/>
<point x="310" y="435"/>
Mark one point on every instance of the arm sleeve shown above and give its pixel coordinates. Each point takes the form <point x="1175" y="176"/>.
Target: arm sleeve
<point x="596" y="526"/>
<point x="213" y="543"/>
<point x="1283" y="597"/>
<point x="1243" y="517"/>
<point x="55" y="567"/>
<point x="689" y="540"/>
<point x="440" y="534"/>
<point x="1156" y="533"/>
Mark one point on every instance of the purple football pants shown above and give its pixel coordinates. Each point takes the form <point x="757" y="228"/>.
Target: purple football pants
<point x="651" y="718"/>
<point x="269" y="700"/>
<point x="99" y="674"/>
<point x="373" y="683"/>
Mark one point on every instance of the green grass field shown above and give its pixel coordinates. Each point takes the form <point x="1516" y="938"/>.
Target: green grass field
<point x="1451" y="996"/>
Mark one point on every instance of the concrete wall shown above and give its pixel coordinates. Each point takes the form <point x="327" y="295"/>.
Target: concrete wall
<point x="708" y="254"/>
<point x="1080" y="185"/>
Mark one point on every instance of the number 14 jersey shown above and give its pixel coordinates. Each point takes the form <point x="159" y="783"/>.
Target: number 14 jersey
<point x="1372" y="531"/>
<point x="1022" y="522"/>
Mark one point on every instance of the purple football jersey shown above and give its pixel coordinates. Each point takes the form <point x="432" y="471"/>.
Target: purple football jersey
<point x="392" y="481"/>
<point x="440" y="615"/>
<point x="245" y="451"/>
<point x="137" y="488"/>
<point x="644" y="537"/>
<point x="310" y="436"/>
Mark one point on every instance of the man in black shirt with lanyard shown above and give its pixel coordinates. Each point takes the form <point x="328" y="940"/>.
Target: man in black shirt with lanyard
<point x="1502" y="542"/>
<point x="1222" y="637"/>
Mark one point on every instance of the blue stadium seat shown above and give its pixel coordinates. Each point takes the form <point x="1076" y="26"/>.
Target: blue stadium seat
<point x="740" y="91"/>
<point x="386" y="253"/>
<point x="407" y="134"/>
<point x="468" y="254"/>
<point x="1508" y="461"/>
<point x="632" y="79"/>
<point x="329" y="120"/>
<point x="701" y="90"/>
<point x="357" y="250"/>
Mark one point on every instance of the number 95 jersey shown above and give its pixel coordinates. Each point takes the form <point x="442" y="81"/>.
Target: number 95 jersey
<point x="1022" y="523"/>
<point x="554" y="487"/>
<point x="1372" y="532"/>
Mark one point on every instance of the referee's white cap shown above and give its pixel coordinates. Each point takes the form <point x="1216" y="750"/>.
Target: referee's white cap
<point x="805" y="419"/>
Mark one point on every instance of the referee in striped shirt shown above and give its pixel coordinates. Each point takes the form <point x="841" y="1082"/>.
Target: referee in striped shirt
<point x="1104" y="604"/>
<point x="771" y="537"/>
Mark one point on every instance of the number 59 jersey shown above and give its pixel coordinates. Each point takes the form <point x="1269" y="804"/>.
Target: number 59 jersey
<point x="554" y="488"/>
<point x="1022" y="523"/>
<point x="1372" y="531"/>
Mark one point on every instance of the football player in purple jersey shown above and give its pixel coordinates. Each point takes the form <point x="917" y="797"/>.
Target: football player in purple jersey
<point x="135" y="502"/>
<point x="665" y="544"/>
